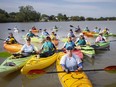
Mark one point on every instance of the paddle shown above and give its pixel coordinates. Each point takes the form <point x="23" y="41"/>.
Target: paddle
<point x="2" y="39"/>
<point x="22" y="30"/>
<point x="108" y="69"/>
<point x="5" y="54"/>
<point x="72" y="26"/>
<point x="9" y="29"/>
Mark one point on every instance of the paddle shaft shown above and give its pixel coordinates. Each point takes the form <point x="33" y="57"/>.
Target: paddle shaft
<point x="75" y="71"/>
<point x="72" y="26"/>
<point x="2" y="39"/>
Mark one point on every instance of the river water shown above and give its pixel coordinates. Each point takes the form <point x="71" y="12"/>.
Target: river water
<point x="102" y="58"/>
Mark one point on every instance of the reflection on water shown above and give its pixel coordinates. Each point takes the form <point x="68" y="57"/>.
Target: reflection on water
<point x="102" y="58"/>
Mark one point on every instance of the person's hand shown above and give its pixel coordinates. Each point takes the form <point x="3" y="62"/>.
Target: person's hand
<point x="66" y="70"/>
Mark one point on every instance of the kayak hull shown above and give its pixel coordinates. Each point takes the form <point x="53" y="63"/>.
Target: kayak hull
<point x="6" y="69"/>
<point x="72" y="79"/>
<point x="38" y="63"/>
<point x="13" y="48"/>
<point x="88" y="51"/>
<point x="102" y="46"/>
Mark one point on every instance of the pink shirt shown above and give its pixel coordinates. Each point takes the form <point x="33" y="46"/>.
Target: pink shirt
<point x="99" y="38"/>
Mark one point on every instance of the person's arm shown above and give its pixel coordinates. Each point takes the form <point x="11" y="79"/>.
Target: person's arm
<point x="79" y="63"/>
<point x="62" y="63"/>
<point x="64" y="46"/>
<point x="22" y="49"/>
<point x="54" y="46"/>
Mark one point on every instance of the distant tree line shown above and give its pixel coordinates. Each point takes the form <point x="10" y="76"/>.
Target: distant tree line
<point x="28" y="14"/>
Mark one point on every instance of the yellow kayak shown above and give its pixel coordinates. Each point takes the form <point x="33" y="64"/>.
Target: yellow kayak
<point x="38" y="63"/>
<point x="73" y="79"/>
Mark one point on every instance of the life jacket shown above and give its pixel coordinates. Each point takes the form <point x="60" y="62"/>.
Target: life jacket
<point x="48" y="47"/>
<point x="72" y="44"/>
<point x="11" y="40"/>
<point x="81" y="42"/>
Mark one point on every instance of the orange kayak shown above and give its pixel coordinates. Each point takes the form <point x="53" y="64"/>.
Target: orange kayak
<point x="12" y="47"/>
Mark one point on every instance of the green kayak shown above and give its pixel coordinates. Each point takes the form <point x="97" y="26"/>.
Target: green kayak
<point x="101" y="45"/>
<point x="12" y="64"/>
<point x="88" y="51"/>
<point x="36" y="39"/>
<point x="106" y="35"/>
<point x="64" y="39"/>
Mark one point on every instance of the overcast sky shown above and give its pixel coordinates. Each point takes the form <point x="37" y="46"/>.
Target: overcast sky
<point x="86" y="8"/>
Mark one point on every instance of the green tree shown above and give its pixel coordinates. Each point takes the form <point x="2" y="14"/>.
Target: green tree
<point x="27" y="13"/>
<point x="3" y="16"/>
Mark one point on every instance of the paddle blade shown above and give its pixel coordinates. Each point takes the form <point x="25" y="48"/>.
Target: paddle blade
<point x="111" y="69"/>
<point x="112" y="40"/>
<point x="9" y="29"/>
<point x="22" y="30"/>
<point x="4" y="54"/>
<point x="71" y="26"/>
<point x="36" y="72"/>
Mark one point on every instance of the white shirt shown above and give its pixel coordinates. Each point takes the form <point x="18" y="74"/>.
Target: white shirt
<point x="70" y="63"/>
<point x="27" y="48"/>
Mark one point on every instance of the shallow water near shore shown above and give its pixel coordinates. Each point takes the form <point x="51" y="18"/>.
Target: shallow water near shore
<point x="102" y="58"/>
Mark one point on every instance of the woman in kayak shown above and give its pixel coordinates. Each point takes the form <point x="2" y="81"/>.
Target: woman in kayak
<point x="69" y="43"/>
<point x="45" y="33"/>
<point x="53" y="36"/>
<point x="47" y="49"/>
<point x="30" y="34"/>
<point x="70" y="61"/>
<point x="81" y="40"/>
<point x="100" y="38"/>
<point x="10" y="39"/>
<point x="71" y="34"/>
<point x="27" y="49"/>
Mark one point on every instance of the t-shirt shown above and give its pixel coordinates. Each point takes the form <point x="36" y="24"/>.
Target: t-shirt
<point x="100" y="39"/>
<point x="27" y="48"/>
<point x="71" y="63"/>
<point x="71" y="44"/>
<point x="48" y="46"/>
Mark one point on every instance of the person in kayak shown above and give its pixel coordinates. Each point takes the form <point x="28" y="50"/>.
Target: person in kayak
<point x="47" y="48"/>
<point x="81" y="40"/>
<point x="45" y="33"/>
<point x="96" y="30"/>
<point x="26" y="50"/>
<point x="71" y="34"/>
<point x="53" y="36"/>
<point x="34" y="28"/>
<point x="10" y="39"/>
<point x="100" y="38"/>
<point x="86" y="29"/>
<point x="69" y="43"/>
<point x="30" y="34"/>
<point x="70" y="61"/>
<point x="105" y="31"/>
<point x="78" y="29"/>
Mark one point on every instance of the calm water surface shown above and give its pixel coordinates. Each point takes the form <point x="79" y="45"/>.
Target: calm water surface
<point x="102" y="58"/>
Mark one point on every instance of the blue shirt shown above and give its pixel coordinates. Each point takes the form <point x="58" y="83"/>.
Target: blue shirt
<point x="81" y="42"/>
<point x="30" y="35"/>
<point x="67" y="44"/>
<point x="48" y="47"/>
<point x="45" y="33"/>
